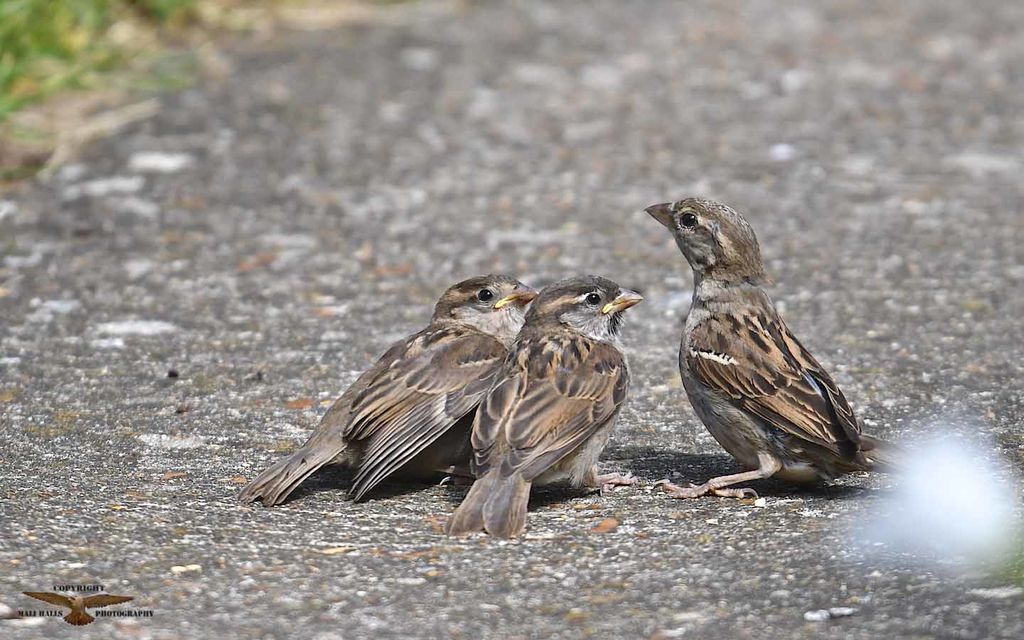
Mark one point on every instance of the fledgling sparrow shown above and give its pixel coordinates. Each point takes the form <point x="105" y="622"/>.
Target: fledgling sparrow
<point x="410" y="415"/>
<point x="551" y="408"/>
<point x="759" y="392"/>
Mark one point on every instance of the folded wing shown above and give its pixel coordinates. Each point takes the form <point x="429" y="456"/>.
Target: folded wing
<point x="555" y="395"/>
<point x="406" y="406"/>
<point x="755" y="360"/>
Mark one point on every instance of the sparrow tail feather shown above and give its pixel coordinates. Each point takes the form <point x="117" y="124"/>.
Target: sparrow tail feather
<point x="277" y="482"/>
<point x="883" y="456"/>
<point x="505" y="511"/>
<point x="78" y="618"/>
<point x="469" y="516"/>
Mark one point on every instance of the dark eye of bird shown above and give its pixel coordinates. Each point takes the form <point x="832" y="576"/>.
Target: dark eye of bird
<point x="484" y="295"/>
<point x="593" y="298"/>
<point x="688" y="220"/>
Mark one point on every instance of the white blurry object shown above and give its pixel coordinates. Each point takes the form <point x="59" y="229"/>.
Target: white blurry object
<point x="953" y="500"/>
<point x="7" y="208"/>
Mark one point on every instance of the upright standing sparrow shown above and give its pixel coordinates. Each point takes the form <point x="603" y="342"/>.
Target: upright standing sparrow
<point x="551" y="408"/>
<point x="410" y="414"/>
<point x="759" y="392"/>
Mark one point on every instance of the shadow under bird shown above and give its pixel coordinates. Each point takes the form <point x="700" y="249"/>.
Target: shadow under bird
<point x="550" y="411"/>
<point x="759" y="392"/>
<point x="410" y="415"/>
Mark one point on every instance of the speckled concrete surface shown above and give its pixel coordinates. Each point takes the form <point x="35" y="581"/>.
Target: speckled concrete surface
<point x="320" y="197"/>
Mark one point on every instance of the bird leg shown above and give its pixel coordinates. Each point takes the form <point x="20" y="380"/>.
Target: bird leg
<point x="717" y="486"/>
<point x="606" y="482"/>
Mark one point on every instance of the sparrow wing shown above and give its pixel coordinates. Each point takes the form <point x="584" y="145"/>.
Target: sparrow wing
<point x="440" y="377"/>
<point x="52" y="598"/>
<point x="753" y="358"/>
<point x="337" y="420"/>
<point x="325" y="444"/>
<point x="104" y="600"/>
<point x="555" y="393"/>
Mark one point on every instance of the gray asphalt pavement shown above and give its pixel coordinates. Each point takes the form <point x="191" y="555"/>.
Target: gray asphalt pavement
<point x="180" y="305"/>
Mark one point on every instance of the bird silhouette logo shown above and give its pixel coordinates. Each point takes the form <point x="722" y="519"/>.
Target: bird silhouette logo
<point x="78" y="604"/>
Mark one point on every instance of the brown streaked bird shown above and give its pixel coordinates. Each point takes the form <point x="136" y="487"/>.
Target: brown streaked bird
<point x="409" y="416"/>
<point x="759" y="392"/>
<point x="78" y="604"/>
<point x="549" y="414"/>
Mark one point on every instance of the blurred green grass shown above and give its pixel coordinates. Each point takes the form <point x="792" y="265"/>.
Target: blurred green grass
<point x="67" y="66"/>
<point x="50" y="45"/>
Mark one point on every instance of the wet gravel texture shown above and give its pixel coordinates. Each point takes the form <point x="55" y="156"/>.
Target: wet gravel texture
<point x="172" y="323"/>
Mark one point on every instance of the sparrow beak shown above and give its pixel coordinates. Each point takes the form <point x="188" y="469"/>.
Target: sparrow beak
<point x="521" y="296"/>
<point x="662" y="213"/>
<point x="625" y="300"/>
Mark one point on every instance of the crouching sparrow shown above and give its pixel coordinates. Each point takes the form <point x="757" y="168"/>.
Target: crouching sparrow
<point x="409" y="416"/>
<point x="550" y="410"/>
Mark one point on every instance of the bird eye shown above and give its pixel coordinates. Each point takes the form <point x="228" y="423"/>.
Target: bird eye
<point x="688" y="220"/>
<point x="484" y="295"/>
<point x="593" y="298"/>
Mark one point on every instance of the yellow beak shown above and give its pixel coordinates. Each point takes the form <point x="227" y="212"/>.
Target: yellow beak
<point x="522" y="297"/>
<point x="625" y="300"/>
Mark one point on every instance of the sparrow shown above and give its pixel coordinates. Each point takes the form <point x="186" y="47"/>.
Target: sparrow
<point x="410" y="415"/>
<point x="755" y="387"/>
<point x="551" y="407"/>
<point x="78" y="615"/>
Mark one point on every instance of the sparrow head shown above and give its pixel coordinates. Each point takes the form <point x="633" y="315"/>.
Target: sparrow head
<point x="494" y="304"/>
<point x="591" y="305"/>
<point x="716" y="240"/>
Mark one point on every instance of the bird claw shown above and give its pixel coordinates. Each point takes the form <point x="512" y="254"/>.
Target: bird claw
<point x="675" y="491"/>
<point x="456" y="476"/>
<point x="608" y="481"/>
<point x="743" y="492"/>
<point x="695" y="491"/>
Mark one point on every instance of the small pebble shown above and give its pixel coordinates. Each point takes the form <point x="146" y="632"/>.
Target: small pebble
<point x="157" y="162"/>
<point x="782" y="152"/>
<point x="818" y="615"/>
<point x="136" y="328"/>
<point x="841" y="612"/>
